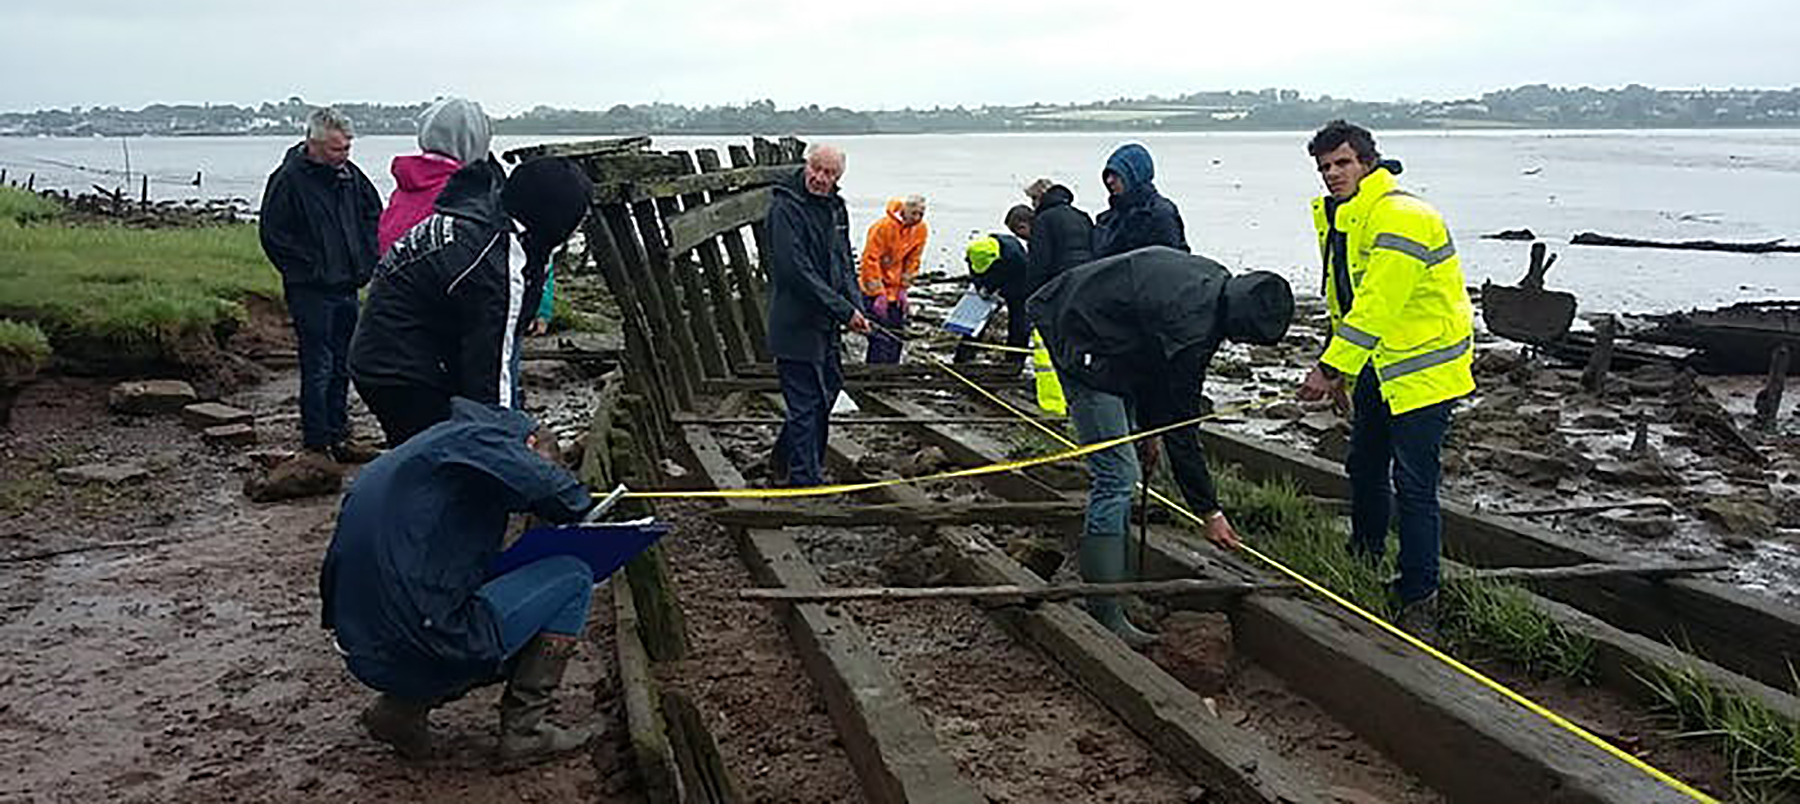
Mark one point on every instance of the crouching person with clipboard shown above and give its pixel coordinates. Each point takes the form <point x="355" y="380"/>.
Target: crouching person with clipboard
<point x="424" y="604"/>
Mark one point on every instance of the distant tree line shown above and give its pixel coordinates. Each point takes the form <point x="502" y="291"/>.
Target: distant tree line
<point x="1535" y="105"/>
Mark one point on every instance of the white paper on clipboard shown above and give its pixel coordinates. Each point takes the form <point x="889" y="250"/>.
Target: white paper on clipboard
<point x="970" y="314"/>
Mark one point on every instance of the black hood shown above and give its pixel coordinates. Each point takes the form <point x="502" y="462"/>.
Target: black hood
<point x="549" y="197"/>
<point x="1056" y="196"/>
<point x="1259" y="305"/>
<point x="473" y="192"/>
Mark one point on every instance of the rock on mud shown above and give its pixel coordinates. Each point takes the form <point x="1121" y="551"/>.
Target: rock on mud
<point x="109" y="474"/>
<point x="308" y="474"/>
<point x="151" y="397"/>
<point x="213" y="414"/>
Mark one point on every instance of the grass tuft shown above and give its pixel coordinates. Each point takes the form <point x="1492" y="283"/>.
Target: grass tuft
<point x="1762" y="745"/>
<point x="19" y="206"/>
<point x="1500" y="619"/>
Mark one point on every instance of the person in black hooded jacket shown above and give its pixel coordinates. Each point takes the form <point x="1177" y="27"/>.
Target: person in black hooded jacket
<point x="1131" y="337"/>
<point x="1062" y="236"/>
<point x="1137" y="215"/>
<point x="318" y="226"/>
<point x="447" y="299"/>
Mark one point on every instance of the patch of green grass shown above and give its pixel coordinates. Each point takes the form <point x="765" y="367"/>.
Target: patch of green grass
<point x="127" y="287"/>
<point x="23" y="348"/>
<point x="1285" y="523"/>
<point x="1500" y="619"/>
<point x="1762" y="745"/>
<point x="19" y="206"/>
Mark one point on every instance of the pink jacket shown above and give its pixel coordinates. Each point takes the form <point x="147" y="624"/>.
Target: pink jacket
<point x="418" y="179"/>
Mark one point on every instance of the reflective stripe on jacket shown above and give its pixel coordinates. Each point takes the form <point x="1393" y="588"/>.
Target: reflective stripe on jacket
<point x="1049" y="388"/>
<point x="1409" y="310"/>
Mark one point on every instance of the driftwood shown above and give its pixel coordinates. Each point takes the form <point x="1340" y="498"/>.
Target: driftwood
<point x="1760" y="247"/>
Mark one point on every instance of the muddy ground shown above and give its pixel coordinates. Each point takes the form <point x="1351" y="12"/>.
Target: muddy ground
<point x="185" y="662"/>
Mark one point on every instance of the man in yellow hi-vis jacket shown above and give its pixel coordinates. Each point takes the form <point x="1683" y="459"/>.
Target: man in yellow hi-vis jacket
<point x="1402" y="342"/>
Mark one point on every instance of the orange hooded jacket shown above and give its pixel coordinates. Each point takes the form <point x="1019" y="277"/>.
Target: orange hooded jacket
<point x="890" y="258"/>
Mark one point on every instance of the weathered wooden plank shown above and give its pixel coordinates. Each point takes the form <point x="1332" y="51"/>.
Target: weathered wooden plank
<point x="727" y="181"/>
<point x="645" y="376"/>
<point x="577" y="149"/>
<point x="782" y="516"/>
<point x="892" y="749"/>
<point x="759" y="270"/>
<point x="855" y="420"/>
<point x="1751" y="634"/>
<point x="705" y="330"/>
<point x="850" y="383"/>
<point x="650" y="747"/>
<point x="618" y="168"/>
<point x="650" y="231"/>
<point x="656" y="306"/>
<point x="966" y="446"/>
<point x="696" y="226"/>
<point x="718" y="284"/>
<point x="1208" y="595"/>
<point x="982" y="374"/>
<point x="704" y="777"/>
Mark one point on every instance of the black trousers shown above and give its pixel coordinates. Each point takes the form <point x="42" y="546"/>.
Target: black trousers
<point x="404" y="410"/>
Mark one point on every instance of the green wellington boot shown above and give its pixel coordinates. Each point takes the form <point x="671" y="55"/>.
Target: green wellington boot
<point x="525" y="736"/>
<point x="1103" y="561"/>
<point x="400" y="723"/>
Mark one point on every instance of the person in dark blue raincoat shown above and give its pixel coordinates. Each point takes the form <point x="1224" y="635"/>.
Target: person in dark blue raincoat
<point x="405" y="582"/>
<point x="1137" y="215"/>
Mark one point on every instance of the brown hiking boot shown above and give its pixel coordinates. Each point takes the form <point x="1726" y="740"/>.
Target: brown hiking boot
<point x="525" y="736"/>
<point x="400" y="723"/>
<point x="352" y="451"/>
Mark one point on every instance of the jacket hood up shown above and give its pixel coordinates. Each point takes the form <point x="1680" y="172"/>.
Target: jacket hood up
<point x="456" y="128"/>
<point x="1133" y="165"/>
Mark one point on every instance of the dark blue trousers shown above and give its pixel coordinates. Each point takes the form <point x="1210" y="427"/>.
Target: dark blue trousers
<point x="324" y="321"/>
<point x="1406" y="449"/>
<point x="808" y="389"/>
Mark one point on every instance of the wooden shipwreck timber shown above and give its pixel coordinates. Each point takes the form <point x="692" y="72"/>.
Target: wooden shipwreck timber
<point x="1263" y="689"/>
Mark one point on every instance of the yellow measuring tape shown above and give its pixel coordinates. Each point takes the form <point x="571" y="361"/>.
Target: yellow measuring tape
<point x="990" y="469"/>
<point x="1505" y="691"/>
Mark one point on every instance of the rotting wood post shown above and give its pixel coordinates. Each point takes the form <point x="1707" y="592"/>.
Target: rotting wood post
<point x="742" y="157"/>
<point x="662" y="625"/>
<point x="1768" y="400"/>
<point x="645" y="373"/>
<point x="701" y="323"/>
<point x="662" y="333"/>
<point x="705" y="779"/>
<point x="658" y="267"/>
<point x="1640" y="439"/>
<point x="718" y="285"/>
<point x="647" y="730"/>
<point x="1600" y="362"/>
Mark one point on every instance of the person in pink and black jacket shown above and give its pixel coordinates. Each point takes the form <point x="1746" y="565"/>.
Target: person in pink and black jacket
<point x="453" y="132"/>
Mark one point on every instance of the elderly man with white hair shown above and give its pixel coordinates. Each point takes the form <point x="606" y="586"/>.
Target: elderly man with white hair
<point x="319" y="215"/>
<point x="812" y="296"/>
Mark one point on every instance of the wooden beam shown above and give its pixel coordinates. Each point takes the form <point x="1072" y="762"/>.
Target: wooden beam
<point x="891" y="747"/>
<point x="854" y="421"/>
<point x="782" y="516"/>
<point x="1219" y="594"/>
<point x="618" y="168"/>
<point x="983" y="374"/>
<point x="644" y="722"/>
<point x="710" y="348"/>
<point x="577" y="150"/>
<point x="718" y="283"/>
<point x="850" y="384"/>
<point x="744" y="272"/>
<point x="724" y="181"/>
<point x="696" y="226"/>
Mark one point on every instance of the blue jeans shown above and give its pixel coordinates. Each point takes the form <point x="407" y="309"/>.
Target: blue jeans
<point x="1113" y="473"/>
<point x="550" y="595"/>
<point x="808" y="389"/>
<point x="1406" y="448"/>
<point x="324" y="322"/>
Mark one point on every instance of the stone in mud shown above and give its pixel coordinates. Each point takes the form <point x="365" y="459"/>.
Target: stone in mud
<point x="547" y="373"/>
<point x="1537" y="468"/>
<point x="1284" y="410"/>
<point x="1739" y="517"/>
<point x="1495" y="362"/>
<point x="150" y="397"/>
<point x="108" y="474"/>
<point x="1643" y="526"/>
<point x="1641" y="472"/>
<point x="231" y="435"/>
<point x="269" y="458"/>
<point x="929" y="460"/>
<point x="1322" y="422"/>
<point x="1599" y="420"/>
<point x="307" y="474"/>
<point x="213" y="414"/>
<point x="1334" y="445"/>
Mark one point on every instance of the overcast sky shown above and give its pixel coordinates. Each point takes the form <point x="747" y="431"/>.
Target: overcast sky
<point x="595" y="53"/>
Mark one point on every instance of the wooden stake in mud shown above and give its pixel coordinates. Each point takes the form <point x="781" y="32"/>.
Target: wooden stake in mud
<point x="1600" y="362"/>
<point x="1768" y="400"/>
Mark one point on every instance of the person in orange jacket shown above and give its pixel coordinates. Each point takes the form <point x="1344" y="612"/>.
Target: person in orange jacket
<point x="890" y="261"/>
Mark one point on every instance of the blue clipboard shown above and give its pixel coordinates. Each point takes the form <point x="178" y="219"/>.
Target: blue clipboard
<point x="604" y="547"/>
<point x="970" y="314"/>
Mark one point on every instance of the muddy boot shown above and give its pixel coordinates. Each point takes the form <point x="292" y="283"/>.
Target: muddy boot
<point x="400" y="723"/>
<point x="1420" y="618"/>
<point x="525" y="737"/>
<point x="1103" y="561"/>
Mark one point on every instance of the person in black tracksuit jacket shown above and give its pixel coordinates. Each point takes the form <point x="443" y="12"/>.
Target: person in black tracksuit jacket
<point x="1062" y="237"/>
<point x="445" y="307"/>
<point x="317" y="226"/>
<point x="1007" y="275"/>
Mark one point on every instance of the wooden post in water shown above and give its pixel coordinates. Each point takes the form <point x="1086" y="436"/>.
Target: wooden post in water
<point x="718" y="288"/>
<point x="1600" y="362"/>
<point x="1768" y="400"/>
<point x="144" y="194"/>
<point x="31" y="183"/>
<point x="701" y="323"/>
